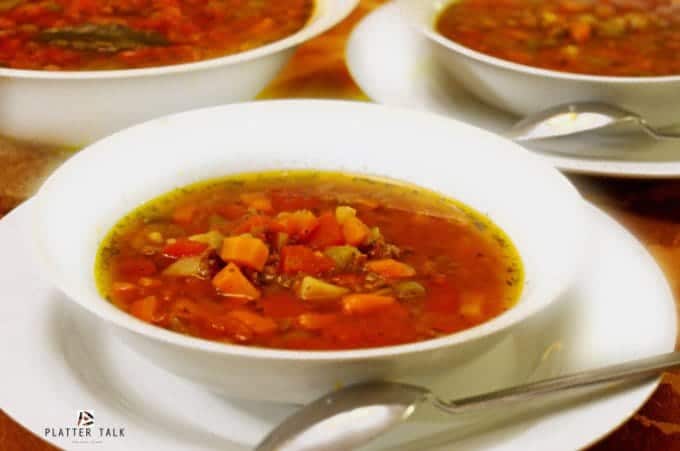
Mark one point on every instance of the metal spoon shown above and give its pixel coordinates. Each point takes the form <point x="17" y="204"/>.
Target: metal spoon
<point x="351" y="417"/>
<point x="579" y="117"/>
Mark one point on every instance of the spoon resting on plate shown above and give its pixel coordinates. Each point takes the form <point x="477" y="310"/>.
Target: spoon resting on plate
<point x="578" y="117"/>
<point x="353" y="416"/>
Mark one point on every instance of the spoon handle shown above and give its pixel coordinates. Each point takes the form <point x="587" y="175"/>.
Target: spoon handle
<point x="636" y="369"/>
<point x="656" y="133"/>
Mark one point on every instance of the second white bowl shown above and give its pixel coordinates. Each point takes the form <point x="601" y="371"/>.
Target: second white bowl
<point x="523" y="90"/>
<point x="74" y="109"/>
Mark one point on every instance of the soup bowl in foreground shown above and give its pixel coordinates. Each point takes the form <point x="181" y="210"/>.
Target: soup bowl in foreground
<point x="522" y="89"/>
<point x="533" y="203"/>
<point x="75" y="108"/>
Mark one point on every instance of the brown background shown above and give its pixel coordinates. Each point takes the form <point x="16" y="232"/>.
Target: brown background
<point x="650" y="209"/>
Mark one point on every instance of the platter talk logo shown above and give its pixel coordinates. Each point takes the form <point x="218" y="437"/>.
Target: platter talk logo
<point x="85" y="430"/>
<point x="85" y="418"/>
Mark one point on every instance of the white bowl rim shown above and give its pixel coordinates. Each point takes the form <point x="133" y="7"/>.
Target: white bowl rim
<point x="430" y="32"/>
<point x="308" y="31"/>
<point x="109" y="313"/>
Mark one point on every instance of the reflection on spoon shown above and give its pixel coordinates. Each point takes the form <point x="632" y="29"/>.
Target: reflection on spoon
<point x="575" y="118"/>
<point x="353" y="416"/>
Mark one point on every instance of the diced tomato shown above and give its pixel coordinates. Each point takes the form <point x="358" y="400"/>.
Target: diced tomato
<point x="258" y="225"/>
<point x="135" y="267"/>
<point x="145" y="309"/>
<point x="283" y="305"/>
<point x="302" y="259"/>
<point x="286" y="201"/>
<point x="231" y="211"/>
<point x="183" y="247"/>
<point x="327" y="233"/>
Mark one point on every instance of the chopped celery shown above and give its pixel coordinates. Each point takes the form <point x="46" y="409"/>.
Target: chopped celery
<point x="213" y="239"/>
<point x="343" y="256"/>
<point x="409" y="290"/>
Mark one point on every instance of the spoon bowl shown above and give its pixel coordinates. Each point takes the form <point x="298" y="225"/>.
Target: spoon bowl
<point x="577" y="118"/>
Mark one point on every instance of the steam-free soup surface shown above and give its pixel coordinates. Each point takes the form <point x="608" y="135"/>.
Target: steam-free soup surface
<point x="598" y="37"/>
<point x="309" y="260"/>
<point x="127" y="34"/>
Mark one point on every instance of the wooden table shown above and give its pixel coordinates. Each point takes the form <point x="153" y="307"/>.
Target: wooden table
<point x="650" y="209"/>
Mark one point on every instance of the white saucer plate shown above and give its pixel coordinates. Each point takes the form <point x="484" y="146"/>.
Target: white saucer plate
<point x="58" y="360"/>
<point x="392" y="63"/>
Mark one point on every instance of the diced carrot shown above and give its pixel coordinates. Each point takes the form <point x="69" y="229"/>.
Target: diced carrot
<point x="580" y="32"/>
<point x="124" y="291"/>
<point x="230" y="281"/>
<point x="259" y="324"/>
<point x="302" y="259"/>
<point x="355" y="231"/>
<point x="365" y="303"/>
<point x="316" y="321"/>
<point x="184" y="214"/>
<point x="390" y="268"/>
<point x="297" y="224"/>
<point x="145" y="308"/>
<point x="184" y="247"/>
<point x="245" y="250"/>
<point x="257" y="201"/>
<point x="327" y="233"/>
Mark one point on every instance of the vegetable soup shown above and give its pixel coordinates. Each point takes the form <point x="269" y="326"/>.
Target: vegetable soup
<point x="599" y="37"/>
<point x="310" y="261"/>
<point x="125" y="34"/>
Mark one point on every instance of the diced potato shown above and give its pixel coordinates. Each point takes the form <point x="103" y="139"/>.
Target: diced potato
<point x="155" y="237"/>
<point x="343" y="256"/>
<point x="185" y="267"/>
<point x="409" y="290"/>
<point x="355" y="231"/>
<point x="212" y="238"/>
<point x="343" y="212"/>
<point x="312" y="289"/>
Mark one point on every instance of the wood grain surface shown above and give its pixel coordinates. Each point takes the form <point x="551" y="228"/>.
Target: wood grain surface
<point x="649" y="209"/>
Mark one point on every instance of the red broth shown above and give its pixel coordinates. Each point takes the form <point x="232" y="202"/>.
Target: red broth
<point x="309" y="261"/>
<point x="127" y="34"/>
<point x="600" y="37"/>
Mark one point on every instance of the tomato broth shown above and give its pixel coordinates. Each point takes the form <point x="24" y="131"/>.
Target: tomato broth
<point x="635" y="38"/>
<point x="309" y="260"/>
